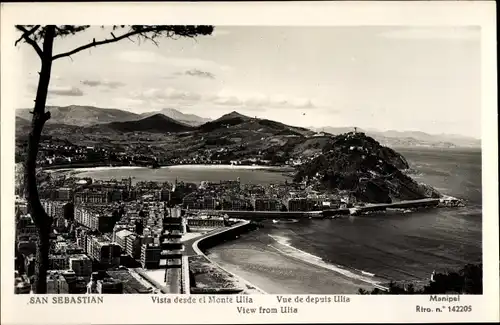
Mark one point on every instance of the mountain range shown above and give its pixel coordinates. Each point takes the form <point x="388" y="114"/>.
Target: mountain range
<point x="188" y="119"/>
<point x="394" y="138"/>
<point x="157" y="123"/>
<point x="168" y="120"/>
<point x="82" y="115"/>
<point x="90" y="115"/>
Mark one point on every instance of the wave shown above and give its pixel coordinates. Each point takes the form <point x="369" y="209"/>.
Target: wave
<point x="352" y="273"/>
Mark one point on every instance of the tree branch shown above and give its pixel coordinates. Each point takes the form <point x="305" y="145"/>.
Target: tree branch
<point x="26" y="37"/>
<point x="105" y="41"/>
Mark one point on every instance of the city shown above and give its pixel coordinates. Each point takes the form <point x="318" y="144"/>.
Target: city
<point x="114" y="236"/>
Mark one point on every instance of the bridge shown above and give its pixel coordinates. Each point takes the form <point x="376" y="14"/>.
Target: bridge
<point x="371" y="207"/>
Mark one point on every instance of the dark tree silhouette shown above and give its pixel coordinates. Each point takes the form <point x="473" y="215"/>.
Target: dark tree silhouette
<point x="69" y="211"/>
<point x="41" y="39"/>
<point x="468" y="280"/>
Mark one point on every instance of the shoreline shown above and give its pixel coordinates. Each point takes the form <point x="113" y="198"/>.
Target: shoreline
<point x="346" y="280"/>
<point x="77" y="168"/>
<point x="200" y="252"/>
<point x="357" y="275"/>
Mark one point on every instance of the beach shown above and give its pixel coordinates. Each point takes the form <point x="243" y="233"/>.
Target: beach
<point x="184" y="173"/>
<point x="244" y="167"/>
<point x="279" y="273"/>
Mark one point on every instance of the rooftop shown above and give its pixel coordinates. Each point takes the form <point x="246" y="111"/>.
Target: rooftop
<point x="124" y="233"/>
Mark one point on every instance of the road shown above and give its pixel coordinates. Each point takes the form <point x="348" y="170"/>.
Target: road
<point x="188" y="244"/>
<point x="318" y="214"/>
<point x="173" y="284"/>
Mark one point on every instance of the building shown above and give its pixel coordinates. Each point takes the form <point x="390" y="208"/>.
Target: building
<point x="164" y="194"/>
<point x="54" y="209"/>
<point x="150" y="256"/>
<point x="95" y="217"/>
<point x="175" y="212"/>
<point x="103" y="251"/>
<point x="94" y="197"/>
<point x="76" y="284"/>
<point x="21" y="284"/>
<point x="58" y="262"/>
<point x="122" y="226"/>
<point x="200" y="223"/>
<point x="170" y="241"/>
<point x="56" y="283"/>
<point x="80" y="264"/>
<point x="65" y="247"/>
<point x="25" y="227"/>
<point x="26" y="247"/>
<point x="121" y="238"/>
<point x="134" y="244"/>
<point x="301" y="204"/>
<point x="64" y="194"/>
<point x="21" y="206"/>
<point x="109" y="285"/>
<point x="209" y="203"/>
<point x="81" y="238"/>
<point x="235" y="204"/>
<point x="231" y="184"/>
<point x="262" y="204"/>
<point x="192" y="201"/>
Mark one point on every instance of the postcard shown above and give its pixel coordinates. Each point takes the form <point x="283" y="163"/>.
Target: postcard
<point x="249" y="163"/>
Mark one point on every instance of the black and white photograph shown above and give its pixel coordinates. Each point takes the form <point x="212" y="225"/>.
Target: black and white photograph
<point x="248" y="160"/>
<point x="249" y="163"/>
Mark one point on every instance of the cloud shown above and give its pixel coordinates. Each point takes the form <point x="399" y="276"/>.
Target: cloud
<point x="103" y="83"/>
<point x="168" y="93"/>
<point x="228" y="101"/>
<point x="224" y="99"/>
<point x="65" y="91"/>
<point x="150" y="57"/>
<point x="199" y="74"/>
<point x="261" y="102"/>
<point x="434" y="33"/>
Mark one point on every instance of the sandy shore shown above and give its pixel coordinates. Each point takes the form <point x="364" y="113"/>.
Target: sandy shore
<point x="277" y="273"/>
<point x="88" y="169"/>
<point x="80" y="170"/>
<point x="100" y="168"/>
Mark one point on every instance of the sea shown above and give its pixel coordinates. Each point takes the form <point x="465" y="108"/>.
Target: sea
<point x="334" y="256"/>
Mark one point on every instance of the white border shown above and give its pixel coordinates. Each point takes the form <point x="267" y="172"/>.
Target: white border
<point x="139" y="309"/>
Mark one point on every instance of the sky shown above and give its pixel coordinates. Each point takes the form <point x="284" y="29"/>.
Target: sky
<point x="387" y="78"/>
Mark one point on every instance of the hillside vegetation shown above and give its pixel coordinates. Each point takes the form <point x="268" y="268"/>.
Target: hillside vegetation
<point x="352" y="162"/>
<point x="357" y="163"/>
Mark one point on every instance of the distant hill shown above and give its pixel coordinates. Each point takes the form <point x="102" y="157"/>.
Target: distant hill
<point x="157" y="123"/>
<point x="82" y="115"/>
<point x="235" y="122"/>
<point x="21" y="122"/>
<point x="393" y="138"/>
<point x="189" y="119"/>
